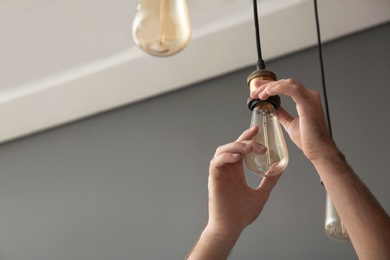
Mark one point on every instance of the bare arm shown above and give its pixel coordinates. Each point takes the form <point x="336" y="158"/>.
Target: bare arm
<point x="367" y="223"/>
<point x="212" y="246"/>
<point x="233" y="205"/>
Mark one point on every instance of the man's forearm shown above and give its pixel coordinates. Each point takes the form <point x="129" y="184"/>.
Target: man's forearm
<point x="212" y="246"/>
<point x="367" y="223"/>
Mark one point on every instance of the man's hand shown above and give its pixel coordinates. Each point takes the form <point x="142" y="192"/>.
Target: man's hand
<point x="233" y="204"/>
<point x="308" y="130"/>
<point x="367" y="223"/>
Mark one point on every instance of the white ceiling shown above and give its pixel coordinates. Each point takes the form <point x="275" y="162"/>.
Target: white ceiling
<point x="63" y="60"/>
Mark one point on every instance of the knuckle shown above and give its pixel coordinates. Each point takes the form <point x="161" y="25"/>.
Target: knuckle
<point x="211" y="163"/>
<point x="295" y="86"/>
<point x="315" y="94"/>
<point x="250" y="144"/>
<point x="290" y="81"/>
<point x="218" y="150"/>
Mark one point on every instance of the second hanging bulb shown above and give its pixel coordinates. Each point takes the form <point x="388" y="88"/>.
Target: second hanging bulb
<point x="162" y="27"/>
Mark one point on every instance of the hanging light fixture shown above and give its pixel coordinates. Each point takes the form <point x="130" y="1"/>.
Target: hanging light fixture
<point x="270" y="133"/>
<point x="334" y="227"/>
<point x="162" y="27"/>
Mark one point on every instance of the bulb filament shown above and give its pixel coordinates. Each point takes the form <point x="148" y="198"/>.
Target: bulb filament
<point x="266" y="140"/>
<point x="162" y="19"/>
<point x="266" y="109"/>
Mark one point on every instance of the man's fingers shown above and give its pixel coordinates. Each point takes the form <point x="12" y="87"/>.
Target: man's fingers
<point x="267" y="184"/>
<point x="248" y="134"/>
<point x="257" y="83"/>
<point x="287" y="87"/>
<point x="225" y="158"/>
<point x="284" y="117"/>
<point x="233" y="152"/>
<point x="243" y="147"/>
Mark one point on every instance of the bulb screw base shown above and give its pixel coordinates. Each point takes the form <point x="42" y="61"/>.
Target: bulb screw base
<point x="262" y="74"/>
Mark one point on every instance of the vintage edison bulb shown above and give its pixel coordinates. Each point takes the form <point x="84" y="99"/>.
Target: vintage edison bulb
<point x="162" y="27"/>
<point x="275" y="159"/>
<point x="334" y="227"/>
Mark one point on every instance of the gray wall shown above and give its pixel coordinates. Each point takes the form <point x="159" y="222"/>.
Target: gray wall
<point x="132" y="183"/>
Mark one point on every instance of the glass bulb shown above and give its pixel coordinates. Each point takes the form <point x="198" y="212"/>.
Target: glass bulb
<point x="162" y="27"/>
<point x="334" y="227"/>
<point x="275" y="159"/>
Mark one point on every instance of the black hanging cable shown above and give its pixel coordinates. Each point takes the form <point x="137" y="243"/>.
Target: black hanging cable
<point x="323" y="82"/>
<point x="322" y="68"/>
<point x="260" y="62"/>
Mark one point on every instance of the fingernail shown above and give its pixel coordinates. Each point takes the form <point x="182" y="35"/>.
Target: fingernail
<point x="261" y="96"/>
<point x="235" y="155"/>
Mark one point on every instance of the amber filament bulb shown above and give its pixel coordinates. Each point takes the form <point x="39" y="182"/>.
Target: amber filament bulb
<point x="162" y="27"/>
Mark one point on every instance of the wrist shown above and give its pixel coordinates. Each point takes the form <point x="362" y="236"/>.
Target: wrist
<point x="213" y="245"/>
<point x="328" y="154"/>
<point x="332" y="164"/>
<point x="221" y="236"/>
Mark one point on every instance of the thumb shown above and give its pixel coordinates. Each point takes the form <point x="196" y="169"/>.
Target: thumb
<point x="284" y="118"/>
<point x="267" y="184"/>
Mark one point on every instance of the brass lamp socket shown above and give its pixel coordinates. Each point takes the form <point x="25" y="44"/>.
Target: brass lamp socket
<point x="262" y="75"/>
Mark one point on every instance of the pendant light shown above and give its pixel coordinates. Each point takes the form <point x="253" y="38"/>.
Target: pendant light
<point x="274" y="161"/>
<point x="271" y="136"/>
<point x="334" y="227"/>
<point x="162" y="27"/>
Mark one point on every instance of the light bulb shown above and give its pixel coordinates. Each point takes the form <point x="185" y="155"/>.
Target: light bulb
<point x="334" y="227"/>
<point x="162" y="27"/>
<point x="270" y="134"/>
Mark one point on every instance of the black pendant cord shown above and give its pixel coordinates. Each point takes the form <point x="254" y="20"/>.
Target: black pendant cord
<point x="322" y="69"/>
<point x="260" y="62"/>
